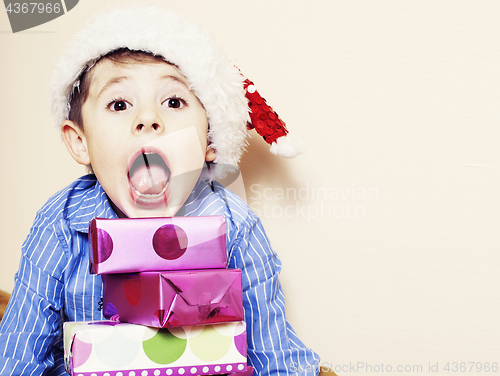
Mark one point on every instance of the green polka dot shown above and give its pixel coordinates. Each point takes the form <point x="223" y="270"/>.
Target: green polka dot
<point x="210" y="345"/>
<point x="164" y="347"/>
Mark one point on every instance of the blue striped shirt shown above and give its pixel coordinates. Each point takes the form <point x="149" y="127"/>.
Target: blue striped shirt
<point x="53" y="283"/>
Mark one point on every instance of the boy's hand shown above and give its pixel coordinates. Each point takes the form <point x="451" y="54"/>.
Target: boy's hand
<point x="4" y="299"/>
<point x="323" y="371"/>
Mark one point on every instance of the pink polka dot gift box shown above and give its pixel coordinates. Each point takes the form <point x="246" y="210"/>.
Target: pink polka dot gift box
<point x="175" y="298"/>
<point x="169" y="243"/>
<point x="106" y="348"/>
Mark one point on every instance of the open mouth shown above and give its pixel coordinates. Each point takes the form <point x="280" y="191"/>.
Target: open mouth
<point x="149" y="174"/>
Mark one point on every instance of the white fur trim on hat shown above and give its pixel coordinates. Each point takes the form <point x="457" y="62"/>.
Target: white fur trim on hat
<point x="214" y="80"/>
<point x="288" y="147"/>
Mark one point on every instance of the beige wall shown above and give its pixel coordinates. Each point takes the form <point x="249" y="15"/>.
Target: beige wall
<point x="391" y="247"/>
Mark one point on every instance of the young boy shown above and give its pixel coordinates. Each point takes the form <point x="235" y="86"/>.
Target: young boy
<point x="146" y="101"/>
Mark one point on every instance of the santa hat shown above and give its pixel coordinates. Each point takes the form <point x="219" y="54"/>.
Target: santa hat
<point x="225" y="94"/>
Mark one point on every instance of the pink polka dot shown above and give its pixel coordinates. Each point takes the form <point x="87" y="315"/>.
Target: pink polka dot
<point x="105" y="245"/>
<point x="240" y="342"/>
<point x="81" y="355"/>
<point x="133" y="289"/>
<point x="170" y="242"/>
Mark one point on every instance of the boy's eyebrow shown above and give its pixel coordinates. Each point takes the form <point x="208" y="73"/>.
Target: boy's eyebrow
<point x="175" y="78"/>
<point x="113" y="81"/>
<point x="116" y="80"/>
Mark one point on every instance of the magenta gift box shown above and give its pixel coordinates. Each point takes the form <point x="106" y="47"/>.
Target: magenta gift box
<point x="129" y="245"/>
<point x="177" y="298"/>
<point x="106" y="348"/>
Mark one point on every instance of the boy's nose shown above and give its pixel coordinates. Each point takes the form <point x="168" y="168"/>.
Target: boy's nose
<point x="148" y="120"/>
<point x="141" y="127"/>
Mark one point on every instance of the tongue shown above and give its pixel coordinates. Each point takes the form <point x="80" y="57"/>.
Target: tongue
<point x="149" y="179"/>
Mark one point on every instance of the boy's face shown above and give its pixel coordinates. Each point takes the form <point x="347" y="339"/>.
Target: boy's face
<point x="145" y="135"/>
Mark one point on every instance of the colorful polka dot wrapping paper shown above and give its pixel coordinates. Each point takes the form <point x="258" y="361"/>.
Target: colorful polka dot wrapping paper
<point x="176" y="298"/>
<point x="133" y="245"/>
<point x="109" y="348"/>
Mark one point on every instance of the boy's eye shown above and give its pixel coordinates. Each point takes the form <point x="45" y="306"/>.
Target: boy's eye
<point x="174" y="102"/>
<point x="119" y="105"/>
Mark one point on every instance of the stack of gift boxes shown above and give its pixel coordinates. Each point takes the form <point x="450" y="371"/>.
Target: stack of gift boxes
<point x="173" y="306"/>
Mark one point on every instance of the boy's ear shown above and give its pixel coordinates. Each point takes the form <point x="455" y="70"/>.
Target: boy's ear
<point x="210" y="154"/>
<point x="74" y="139"/>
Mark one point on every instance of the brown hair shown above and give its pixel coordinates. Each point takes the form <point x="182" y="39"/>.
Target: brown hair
<point x="119" y="56"/>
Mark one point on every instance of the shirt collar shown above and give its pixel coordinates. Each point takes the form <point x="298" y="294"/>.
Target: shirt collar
<point x="94" y="203"/>
<point x="202" y="201"/>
